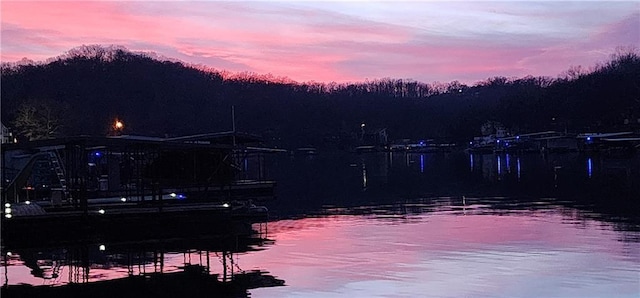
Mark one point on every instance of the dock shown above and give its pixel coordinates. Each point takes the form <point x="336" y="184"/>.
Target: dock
<point x="74" y="184"/>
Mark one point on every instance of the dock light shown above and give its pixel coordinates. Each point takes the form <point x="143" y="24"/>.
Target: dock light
<point x="173" y="194"/>
<point x="8" y="215"/>
<point x="123" y="199"/>
<point x="101" y="211"/>
<point x="225" y="205"/>
<point x="497" y="141"/>
<point x="102" y="247"/>
<point x="470" y="143"/>
<point x="118" y="125"/>
<point x="27" y="202"/>
<point x="588" y="138"/>
<point x="9" y="253"/>
<point x="7" y="205"/>
<point x="7" y="210"/>
<point x="517" y="137"/>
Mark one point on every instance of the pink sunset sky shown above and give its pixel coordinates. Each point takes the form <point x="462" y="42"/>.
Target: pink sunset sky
<point x="335" y="40"/>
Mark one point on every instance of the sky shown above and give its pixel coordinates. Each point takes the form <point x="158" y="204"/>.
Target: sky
<point x="341" y="41"/>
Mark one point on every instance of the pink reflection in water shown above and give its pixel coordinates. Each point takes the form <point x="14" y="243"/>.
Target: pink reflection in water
<point x="449" y="252"/>
<point x="529" y="254"/>
<point x="60" y="272"/>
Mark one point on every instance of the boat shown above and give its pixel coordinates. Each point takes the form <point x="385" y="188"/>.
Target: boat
<point x="366" y="148"/>
<point x="307" y="151"/>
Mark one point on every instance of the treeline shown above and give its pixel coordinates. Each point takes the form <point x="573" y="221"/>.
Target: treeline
<point x="91" y="86"/>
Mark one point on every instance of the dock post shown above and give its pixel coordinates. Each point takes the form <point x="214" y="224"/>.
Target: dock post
<point x="6" y="264"/>
<point x="84" y="204"/>
<point x="224" y="265"/>
<point x="159" y="192"/>
<point x="208" y="263"/>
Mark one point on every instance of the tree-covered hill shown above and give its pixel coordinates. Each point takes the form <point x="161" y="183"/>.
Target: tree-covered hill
<point x="83" y="91"/>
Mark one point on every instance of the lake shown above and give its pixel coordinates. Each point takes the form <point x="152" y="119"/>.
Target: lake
<point x="397" y="225"/>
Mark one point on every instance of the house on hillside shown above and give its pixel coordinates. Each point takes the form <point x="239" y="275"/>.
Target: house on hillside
<point x="7" y="135"/>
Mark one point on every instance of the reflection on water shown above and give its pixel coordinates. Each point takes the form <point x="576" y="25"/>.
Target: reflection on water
<point x="454" y="247"/>
<point x="401" y="225"/>
<point x="172" y="266"/>
<point x="344" y="179"/>
<point x="457" y="225"/>
<point x="507" y="159"/>
<point x="566" y="171"/>
<point x="364" y="176"/>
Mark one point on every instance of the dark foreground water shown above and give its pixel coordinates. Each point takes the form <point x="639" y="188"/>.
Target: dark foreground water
<point x="402" y="225"/>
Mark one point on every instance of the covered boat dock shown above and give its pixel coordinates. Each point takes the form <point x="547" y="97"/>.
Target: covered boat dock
<point x="115" y="180"/>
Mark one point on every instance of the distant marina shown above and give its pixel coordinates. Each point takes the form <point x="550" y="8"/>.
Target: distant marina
<point x="615" y="143"/>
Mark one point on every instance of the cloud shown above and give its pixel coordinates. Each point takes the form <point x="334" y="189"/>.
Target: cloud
<point x="335" y="41"/>
<point x="37" y="43"/>
<point x="623" y="32"/>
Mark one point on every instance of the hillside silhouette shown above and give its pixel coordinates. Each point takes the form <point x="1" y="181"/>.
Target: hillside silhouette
<point x="90" y="86"/>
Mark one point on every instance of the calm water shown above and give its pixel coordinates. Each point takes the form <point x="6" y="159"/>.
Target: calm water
<point x="408" y="225"/>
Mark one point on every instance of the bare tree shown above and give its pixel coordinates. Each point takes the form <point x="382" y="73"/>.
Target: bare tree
<point x="39" y="119"/>
<point x="573" y="73"/>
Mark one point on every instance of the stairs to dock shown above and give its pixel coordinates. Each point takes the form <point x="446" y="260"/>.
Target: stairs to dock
<point x="32" y="167"/>
<point x="58" y="167"/>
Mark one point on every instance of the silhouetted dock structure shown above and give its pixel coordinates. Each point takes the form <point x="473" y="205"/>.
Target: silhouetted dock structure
<point x="86" y="182"/>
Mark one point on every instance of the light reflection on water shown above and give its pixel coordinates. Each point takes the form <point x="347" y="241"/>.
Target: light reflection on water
<point x="453" y="251"/>
<point x="511" y="226"/>
<point x="432" y="247"/>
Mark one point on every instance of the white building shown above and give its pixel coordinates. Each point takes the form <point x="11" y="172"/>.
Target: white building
<point x="7" y="135"/>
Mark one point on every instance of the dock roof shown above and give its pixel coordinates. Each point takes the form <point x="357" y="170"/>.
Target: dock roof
<point x="219" y="140"/>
